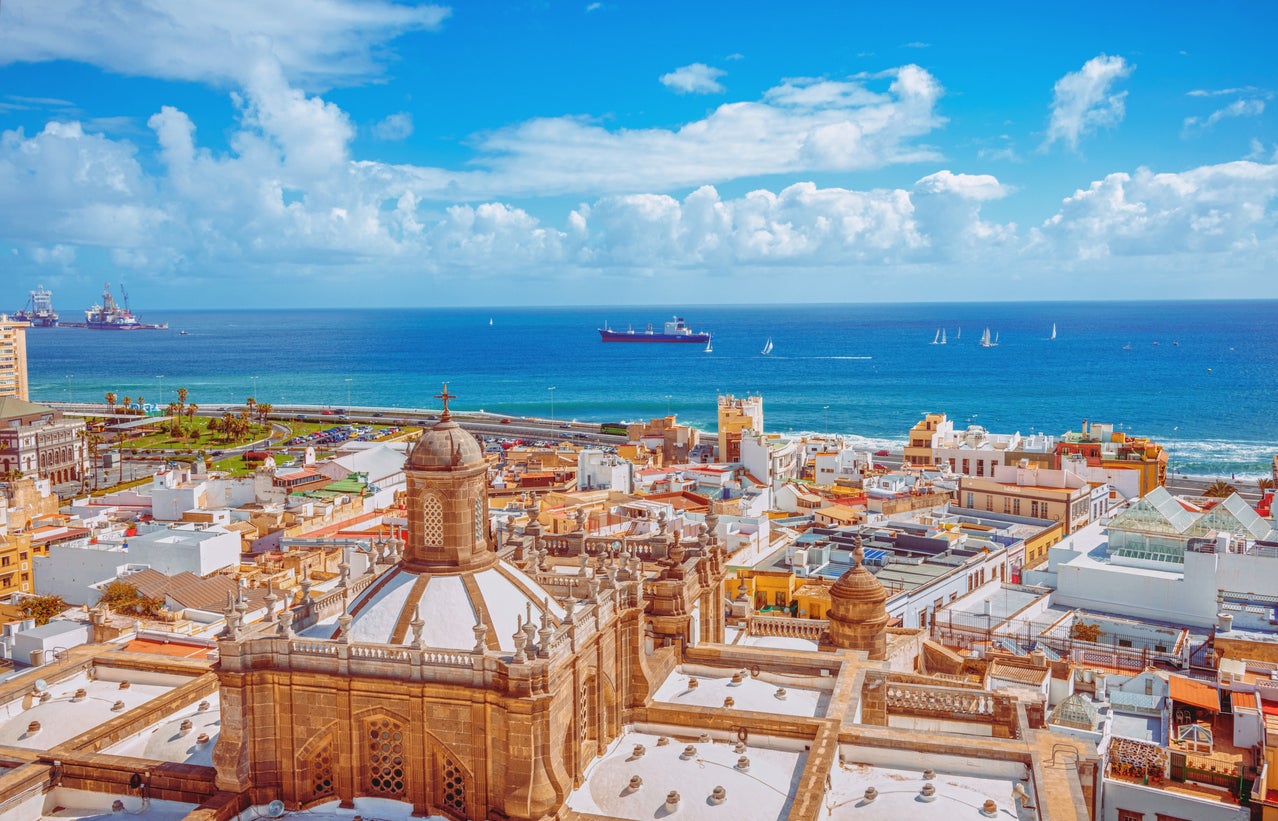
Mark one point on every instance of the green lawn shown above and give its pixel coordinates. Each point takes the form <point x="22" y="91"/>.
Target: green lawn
<point x="207" y="440"/>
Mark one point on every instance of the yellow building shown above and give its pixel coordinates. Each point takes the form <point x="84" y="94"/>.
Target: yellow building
<point x="735" y="416"/>
<point x="1099" y="444"/>
<point x="777" y="590"/>
<point x="918" y="450"/>
<point x="13" y="358"/>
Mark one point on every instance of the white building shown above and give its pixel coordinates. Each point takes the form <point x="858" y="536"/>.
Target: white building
<point x="76" y="571"/>
<point x="598" y="470"/>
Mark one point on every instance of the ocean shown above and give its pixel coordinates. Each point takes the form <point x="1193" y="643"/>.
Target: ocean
<point x="1200" y="377"/>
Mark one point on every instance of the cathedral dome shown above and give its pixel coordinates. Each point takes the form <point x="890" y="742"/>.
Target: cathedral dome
<point x="444" y="445"/>
<point x="446" y="608"/>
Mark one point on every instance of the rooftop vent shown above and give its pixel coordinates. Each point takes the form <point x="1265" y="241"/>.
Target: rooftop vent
<point x="33" y="728"/>
<point x="204" y="705"/>
<point x="780" y="694"/>
<point x="635" y="783"/>
<point x="870" y="794"/>
<point x="117" y="706"/>
<point x="743" y="764"/>
<point x="663" y="741"/>
<point x="737" y="678"/>
<point x="739" y="747"/>
<point x="185" y="727"/>
<point x="989" y="809"/>
<point x="693" y="684"/>
<point x="718" y="795"/>
<point x="928" y="793"/>
<point x="124" y="685"/>
<point x="638" y="751"/>
<point x="689" y="751"/>
<point x="80" y="695"/>
<point x="729" y="702"/>
<point x="201" y="739"/>
<point x="672" y="802"/>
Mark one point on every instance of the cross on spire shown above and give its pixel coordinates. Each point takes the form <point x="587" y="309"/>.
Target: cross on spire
<point x="444" y="396"/>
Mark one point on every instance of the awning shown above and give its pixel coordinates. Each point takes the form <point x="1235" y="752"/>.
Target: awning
<point x="1194" y="693"/>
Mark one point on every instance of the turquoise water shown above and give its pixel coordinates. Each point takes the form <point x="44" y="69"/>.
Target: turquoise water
<point x="1212" y="398"/>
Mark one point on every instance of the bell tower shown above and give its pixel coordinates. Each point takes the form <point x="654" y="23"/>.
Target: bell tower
<point x="447" y="479"/>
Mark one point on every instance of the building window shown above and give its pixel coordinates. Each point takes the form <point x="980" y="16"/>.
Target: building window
<point x="1016" y="507"/>
<point x="971" y="499"/>
<point x="386" y="758"/>
<point x="980" y="467"/>
<point x="989" y="502"/>
<point x="433" y="519"/>
<point x="1130" y="815"/>
<point x="965" y="467"/>
<point x="1007" y="505"/>
<point x="454" y="788"/>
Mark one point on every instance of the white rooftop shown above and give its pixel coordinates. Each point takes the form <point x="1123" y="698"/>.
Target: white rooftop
<point x="776" y="642"/>
<point x="763" y="791"/>
<point x="62" y="716"/>
<point x="92" y="806"/>
<point x="962" y="785"/>
<point x="165" y="740"/>
<point x="758" y="694"/>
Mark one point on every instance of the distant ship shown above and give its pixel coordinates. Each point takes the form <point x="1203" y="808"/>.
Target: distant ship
<point x="675" y="331"/>
<point x="38" y="310"/>
<point x="109" y="316"/>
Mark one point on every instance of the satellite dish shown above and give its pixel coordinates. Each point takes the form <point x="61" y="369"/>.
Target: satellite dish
<point x="275" y="809"/>
<point x="41" y="685"/>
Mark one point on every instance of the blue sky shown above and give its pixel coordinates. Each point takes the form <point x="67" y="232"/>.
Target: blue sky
<point x="328" y="152"/>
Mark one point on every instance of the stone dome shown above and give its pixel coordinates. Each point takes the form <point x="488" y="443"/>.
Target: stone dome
<point x="445" y="446"/>
<point x="449" y="607"/>
<point x="858" y="612"/>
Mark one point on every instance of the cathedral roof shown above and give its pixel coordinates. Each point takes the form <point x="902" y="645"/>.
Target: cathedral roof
<point x="449" y="606"/>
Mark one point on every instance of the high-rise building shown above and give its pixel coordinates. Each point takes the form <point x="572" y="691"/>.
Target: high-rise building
<point x="736" y="415"/>
<point x="13" y="358"/>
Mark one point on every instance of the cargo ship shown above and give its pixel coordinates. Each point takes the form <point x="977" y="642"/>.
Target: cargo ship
<point x="110" y="316"/>
<point x="676" y="330"/>
<point x="38" y="310"/>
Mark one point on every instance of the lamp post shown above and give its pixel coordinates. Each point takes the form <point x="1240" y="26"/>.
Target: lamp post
<point x="552" y="402"/>
<point x="348" y="393"/>
<point x="160" y="377"/>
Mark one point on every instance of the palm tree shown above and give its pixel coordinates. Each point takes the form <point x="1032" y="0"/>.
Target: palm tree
<point x="175" y="426"/>
<point x="141" y="406"/>
<point x="191" y="410"/>
<point x="110" y="400"/>
<point x="1219" y="489"/>
<point x="182" y="394"/>
<point x="128" y="402"/>
<point x="1264" y="484"/>
<point x="250" y="403"/>
<point x="264" y="411"/>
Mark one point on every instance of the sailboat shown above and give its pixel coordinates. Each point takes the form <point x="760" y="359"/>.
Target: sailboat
<point x="958" y="335"/>
<point x="1053" y="336"/>
<point x="942" y="342"/>
<point x="490" y="321"/>
<point x="709" y="346"/>
<point x="936" y="340"/>
<point x="767" y="347"/>
<point x="985" y="339"/>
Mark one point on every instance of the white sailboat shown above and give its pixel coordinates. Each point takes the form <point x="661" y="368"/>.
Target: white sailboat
<point x="942" y="342"/>
<point x="767" y="347"/>
<point x="709" y="345"/>
<point x="936" y="340"/>
<point x="958" y="335"/>
<point x="986" y="342"/>
<point x="1053" y="336"/>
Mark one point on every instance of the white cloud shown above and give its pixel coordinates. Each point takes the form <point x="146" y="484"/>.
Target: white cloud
<point x="916" y="44"/>
<point x="1083" y="102"/>
<point x="1223" y="92"/>
<point x="394" y="127"/>
<point x="1238" y="108"/>
<point x="1220" y="209"/>
<point x="316" y="42"/>
<point x="697" y="78"/>
<point x="594" y="7"/>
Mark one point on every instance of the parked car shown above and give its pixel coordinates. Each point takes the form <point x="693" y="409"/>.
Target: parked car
<point x="883" y="452"/>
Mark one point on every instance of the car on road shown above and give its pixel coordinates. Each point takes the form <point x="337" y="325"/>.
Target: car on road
<point x="565" y="426"/>
<point x="505" y="421"/>
<point x="882" y="452"/>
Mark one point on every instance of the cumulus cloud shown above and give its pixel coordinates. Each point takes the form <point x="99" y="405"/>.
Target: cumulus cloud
<point x="697" y="78"/>
<point x="394" y="128"/>
<point x="317" y="42"/>
<point x="1212" y="209"/>
<point x="1082" y="100"/>
<point x="1238" y="108"/>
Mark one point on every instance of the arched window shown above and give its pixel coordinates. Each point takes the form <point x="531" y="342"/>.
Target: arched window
<point x="433" y="519"/>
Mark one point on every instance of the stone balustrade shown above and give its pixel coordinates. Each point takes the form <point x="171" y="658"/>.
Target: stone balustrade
<point x="787" y="627"/>
<point x="943" y="701"/>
